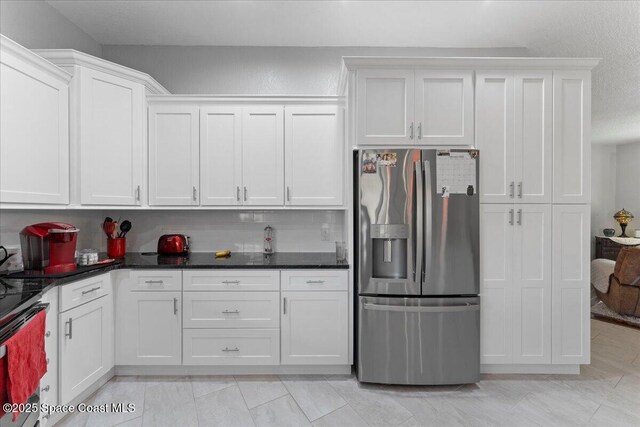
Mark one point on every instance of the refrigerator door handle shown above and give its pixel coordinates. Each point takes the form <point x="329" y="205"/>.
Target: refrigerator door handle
<point x="423" y="309"/>
<point x="428" y="221"/>
<point x="419" y="189"/>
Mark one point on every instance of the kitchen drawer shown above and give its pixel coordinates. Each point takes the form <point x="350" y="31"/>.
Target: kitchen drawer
<point x="315" y="280"/>
<point x="231" y="347"/>
<point x="231" y="280"/>
<point x="82" y="291"/>
<point x="156" y="280"/>
<point x="231" y="310"/>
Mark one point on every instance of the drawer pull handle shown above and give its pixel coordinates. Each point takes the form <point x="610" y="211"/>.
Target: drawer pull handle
<point x="231" y="312"/>
<point x="230" y="349"/>
<point x="315" y="282"/>
<point x="151" y="282"/>
<point x="175" y="306"/>
<point x="97" y="288"/>
<point x="284" y="305"/>
<point x="231" y="282"/>
<point x="48" y="334"/>
<point x="70" y="333"/>
<point x="47" y="388"/>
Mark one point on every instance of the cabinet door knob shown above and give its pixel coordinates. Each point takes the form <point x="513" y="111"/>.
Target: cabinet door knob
<point x="48" y="334"/>
<point x="47" y="388"/>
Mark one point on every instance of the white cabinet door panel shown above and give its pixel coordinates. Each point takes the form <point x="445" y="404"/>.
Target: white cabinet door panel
<point x="314" y="328"/>
<point x="149" y="328"/>
<point x="385" y="101"/>
<point x="494" y="136"/>
<point x="532" y="284"/>
<point x="173" y="155"/>
<point x="85" y="346"/>
<point x="533" y="137"/>
<point x="111" y="139"/>
<point x="571" y="277"/>
<point x="496" y="285"/>
<point x="263" y="156"/>
<point x="571" y="137"/>
<point x="314" y="154"/>
<point x="220" y="155"/>
<point x="444" y="107"/>
<point x="34" y="134"/>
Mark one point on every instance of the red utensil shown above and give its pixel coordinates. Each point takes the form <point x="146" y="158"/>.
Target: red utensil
<point x="109" y="228"/>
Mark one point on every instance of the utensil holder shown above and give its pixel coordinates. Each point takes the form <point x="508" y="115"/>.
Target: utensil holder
<point x="116" y="248"/>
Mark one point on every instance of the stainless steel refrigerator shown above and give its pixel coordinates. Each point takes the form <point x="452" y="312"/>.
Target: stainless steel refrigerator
<point x="417" y="272"/>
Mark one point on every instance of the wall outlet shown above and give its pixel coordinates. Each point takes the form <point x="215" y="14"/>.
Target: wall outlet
<point x="325" y="233"/>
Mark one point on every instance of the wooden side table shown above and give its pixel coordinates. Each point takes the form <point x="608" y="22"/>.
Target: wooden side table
<point x="608" y="249"/>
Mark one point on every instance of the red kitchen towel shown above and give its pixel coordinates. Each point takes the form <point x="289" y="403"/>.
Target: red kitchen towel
<point x="26" y="360"/>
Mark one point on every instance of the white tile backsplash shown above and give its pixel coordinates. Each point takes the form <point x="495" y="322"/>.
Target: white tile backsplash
<point x="239" y="231"/>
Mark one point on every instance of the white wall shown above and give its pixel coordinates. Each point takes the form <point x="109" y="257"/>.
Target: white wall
<point x="603" y="194"/>
<point x="628" y="182"/>
<point x="35" y="24"/>
<point x="295" y="231"/>
<point x="260" y="70"/>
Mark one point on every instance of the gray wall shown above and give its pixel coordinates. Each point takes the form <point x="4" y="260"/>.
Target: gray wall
<point x="628" y="182"/>
<point x="260" y="70"/>
<point x="36" y="25"/>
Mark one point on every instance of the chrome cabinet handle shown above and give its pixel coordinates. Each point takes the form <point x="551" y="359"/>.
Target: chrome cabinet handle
<point x="411" y="131"/>
<point x="288" y="194"/>
<point x="230" y="349"/>
<point x="420" y="130"/>
<point x="311" y="282"/>
<point x="175" y="306"/>
<point x="151" y="282"/>
<point x="48" y="334"/>
<point x="47" y="388"/>
<point x="510" y="216"/>
<point x="520" y="190"/>
<point x="237" y="193"/>
<point x="138" y="193"/>
<point x="231" y="282"/>
<point x="511" y="189"/>
<point x="91" y="290"/>
<point x="284" y="305"/>
<point x="519" y="216"/>
<point x="70" y="333"/>
<point x="245" y="193"/>
<point x="231" y="312"/>
<point x="195" y="194"/>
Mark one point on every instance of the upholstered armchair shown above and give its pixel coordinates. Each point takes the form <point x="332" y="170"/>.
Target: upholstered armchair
<point x="622" y="292"/>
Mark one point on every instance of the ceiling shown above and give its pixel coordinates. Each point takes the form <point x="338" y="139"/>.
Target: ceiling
<point x="605" y="29"/>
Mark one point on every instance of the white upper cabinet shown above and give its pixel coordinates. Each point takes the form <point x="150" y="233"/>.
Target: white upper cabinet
<point x="111" y="138"/>
<point x="220" y="155"/>
<point x="571" y="137"/>
<point x="263" y="155"/>
<point x="34" y="128"/>
<point x="385" y="102"/>
<point x="571" y="283"/>
<point x="533" y="136"/>
<point x="494" y="136"/>
<point x="173" y="155"/>
<point x="444" y="107"/>
<point x="514" y="125"/>
<point x="314" y="155"/>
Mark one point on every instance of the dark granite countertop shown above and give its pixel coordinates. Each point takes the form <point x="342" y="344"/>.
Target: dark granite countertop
<point x="17" y="288"/>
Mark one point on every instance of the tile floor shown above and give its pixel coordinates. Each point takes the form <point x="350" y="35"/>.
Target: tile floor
<point x="607" y="393"/>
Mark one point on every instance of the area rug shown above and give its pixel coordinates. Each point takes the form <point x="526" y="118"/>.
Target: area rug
<point x="601" y="311"/>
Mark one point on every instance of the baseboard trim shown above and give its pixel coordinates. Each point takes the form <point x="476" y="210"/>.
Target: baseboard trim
<point x="234" y="370"/>
<point x="530" y="369"/>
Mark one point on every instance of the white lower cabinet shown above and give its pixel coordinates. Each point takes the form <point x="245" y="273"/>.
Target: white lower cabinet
<point x="85" y="346"/>
<point x="314" y="328"/>
<point x="149" y="328"/>
<point x="231" y="347"/>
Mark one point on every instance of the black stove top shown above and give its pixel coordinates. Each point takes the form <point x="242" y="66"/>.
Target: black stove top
<point x="18" y="295"/>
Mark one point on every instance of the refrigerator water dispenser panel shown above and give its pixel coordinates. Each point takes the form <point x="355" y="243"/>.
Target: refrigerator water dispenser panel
<point x="389" y="247"/>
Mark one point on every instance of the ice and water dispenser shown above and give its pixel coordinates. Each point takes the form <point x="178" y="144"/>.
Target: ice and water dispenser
<point x="389" y="250"/>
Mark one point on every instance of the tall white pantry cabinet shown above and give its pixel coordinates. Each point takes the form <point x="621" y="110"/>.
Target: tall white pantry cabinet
<point x="530" y="119"/>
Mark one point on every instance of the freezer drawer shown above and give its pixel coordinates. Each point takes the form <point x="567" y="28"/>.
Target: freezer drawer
<point x="419" y="341"/>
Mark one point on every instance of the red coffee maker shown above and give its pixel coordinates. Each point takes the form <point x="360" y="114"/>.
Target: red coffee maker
<point x="49" y="246"/>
